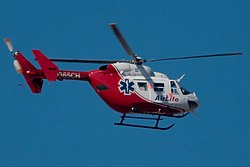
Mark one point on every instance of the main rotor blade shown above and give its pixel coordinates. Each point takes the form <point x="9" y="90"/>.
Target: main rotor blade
<point x="87" y="61"/>
<point x="194" y="57"/>
<point x="122" y="41"/>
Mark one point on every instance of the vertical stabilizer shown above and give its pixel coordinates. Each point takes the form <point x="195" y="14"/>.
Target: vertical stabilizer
<point x="27" y="69"/>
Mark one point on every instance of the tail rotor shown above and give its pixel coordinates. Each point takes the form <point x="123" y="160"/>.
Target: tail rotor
<point x="23" y="66"/>
<point x="16" y="64"/>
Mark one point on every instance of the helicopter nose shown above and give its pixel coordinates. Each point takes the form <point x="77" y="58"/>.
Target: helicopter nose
<point x="193" y="102"/>
<point x="192" y="105"/>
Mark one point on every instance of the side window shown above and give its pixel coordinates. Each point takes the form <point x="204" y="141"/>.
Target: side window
<point x="104" y="67"/>
<point x="142" y="86"/>
<point x="173" y="88"/>
<point x="102" y="87"/>
<point x="158" y="87"/>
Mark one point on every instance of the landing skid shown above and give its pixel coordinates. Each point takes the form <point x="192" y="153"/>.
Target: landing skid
<point x="121" y="123"/>
<point x="178" y="116"/>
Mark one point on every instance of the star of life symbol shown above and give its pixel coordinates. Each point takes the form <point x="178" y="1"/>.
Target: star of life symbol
<point x="126" y="87"/>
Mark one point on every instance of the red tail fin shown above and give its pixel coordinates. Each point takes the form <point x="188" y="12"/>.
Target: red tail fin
<point x="49" y="69"/>
<point x="35" y="83"/>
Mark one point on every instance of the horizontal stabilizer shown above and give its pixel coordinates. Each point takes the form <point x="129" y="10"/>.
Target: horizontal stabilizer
<point x="49" y="69"/>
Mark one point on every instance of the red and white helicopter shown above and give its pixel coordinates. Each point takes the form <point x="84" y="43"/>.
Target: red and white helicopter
<point x="127" y="86"/>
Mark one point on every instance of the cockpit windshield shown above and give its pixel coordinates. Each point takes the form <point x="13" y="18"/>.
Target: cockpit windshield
<point x="185" y="91"/>
<point x="176" y="85"/>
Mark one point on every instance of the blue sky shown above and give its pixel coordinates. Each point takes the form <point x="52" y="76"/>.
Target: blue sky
<point x="69" y="125"/>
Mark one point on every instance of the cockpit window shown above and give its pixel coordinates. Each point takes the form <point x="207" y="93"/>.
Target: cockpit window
<point x="173" y="88"/>
<point x="177" y="89"/>
<point x="185" y="91"/>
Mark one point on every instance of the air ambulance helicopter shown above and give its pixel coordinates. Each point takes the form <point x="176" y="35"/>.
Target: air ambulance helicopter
<point x="127" y="86"/>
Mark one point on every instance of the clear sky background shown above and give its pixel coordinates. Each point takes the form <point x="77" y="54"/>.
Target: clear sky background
<point x="69" y="125"/>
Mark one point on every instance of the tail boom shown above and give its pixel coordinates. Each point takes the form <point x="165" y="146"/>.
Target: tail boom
<point x="72" y="75"/>
<point x="52" y="72"/>
<point x="34" y="77"/>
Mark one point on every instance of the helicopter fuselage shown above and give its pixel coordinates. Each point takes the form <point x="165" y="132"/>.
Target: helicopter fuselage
<point x="125" y="87"/>
<point x="131" y="88"/>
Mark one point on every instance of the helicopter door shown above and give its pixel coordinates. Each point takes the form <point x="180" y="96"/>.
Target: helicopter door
<point x="158" y="92"/>
<point x="146" y="89"/>
<point x="174" y="97"/>
<point x="174" y="88"/>
<point x="142" y="88"/>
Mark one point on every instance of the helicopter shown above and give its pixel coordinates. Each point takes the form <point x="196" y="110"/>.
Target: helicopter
<point x="126" y="86"/>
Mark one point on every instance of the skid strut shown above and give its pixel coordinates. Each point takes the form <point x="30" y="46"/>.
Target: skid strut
<point x="121" y="123"/>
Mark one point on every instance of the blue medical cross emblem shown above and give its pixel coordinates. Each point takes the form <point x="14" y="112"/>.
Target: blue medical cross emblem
<point x="126" y="87"/>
